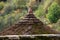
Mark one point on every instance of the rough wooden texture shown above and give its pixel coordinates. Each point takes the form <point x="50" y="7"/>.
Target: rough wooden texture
<point x="28" y="25"/>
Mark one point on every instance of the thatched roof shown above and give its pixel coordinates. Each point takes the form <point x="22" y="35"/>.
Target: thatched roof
<point x="28" y="25"/>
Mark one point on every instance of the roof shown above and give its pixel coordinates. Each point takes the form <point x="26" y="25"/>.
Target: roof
<point x="27" y="26"/>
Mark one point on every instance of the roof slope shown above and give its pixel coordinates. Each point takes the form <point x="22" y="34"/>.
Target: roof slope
<point x="28" y="25"/>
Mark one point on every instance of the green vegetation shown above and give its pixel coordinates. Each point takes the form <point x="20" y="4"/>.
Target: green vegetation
<point x="10" y="13"/>
<point x="53" y="13"/>
<point x="2" y="5"/>
<point x="39" y="11"/>
<point x="48" y="11"/>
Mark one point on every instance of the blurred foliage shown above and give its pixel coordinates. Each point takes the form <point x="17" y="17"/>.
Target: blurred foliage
<point x="20" y="3"/>
<point x="10" y="19"/>
<point x="2" y="5"/>
<point x="13" y="11"/>
<point x="53" y="13"/>
<point x="43" y="8"/>
<point x="58" y="1"/>
<point x="39" y="11"/>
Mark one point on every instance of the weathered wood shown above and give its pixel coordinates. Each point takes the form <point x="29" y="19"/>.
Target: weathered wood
<point x="23" y="27"/>
<point x="29" y="25"/>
